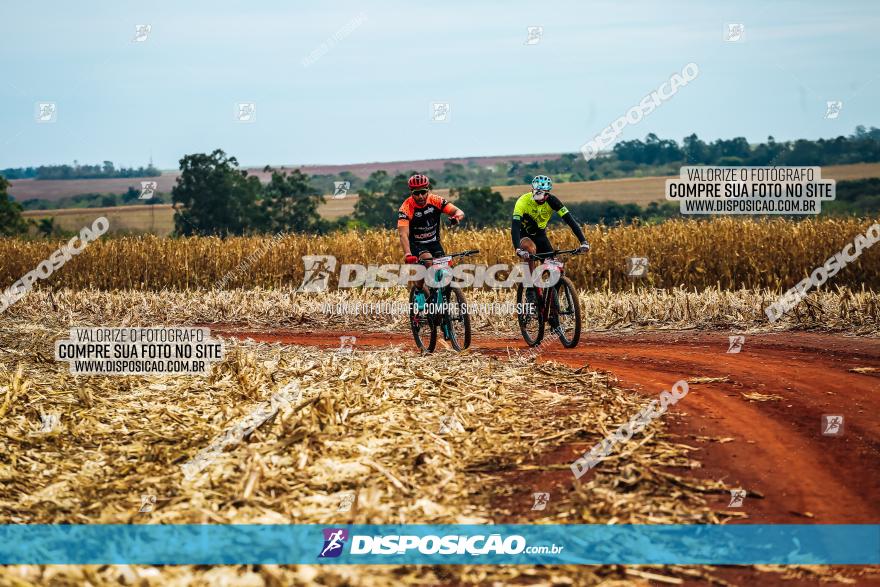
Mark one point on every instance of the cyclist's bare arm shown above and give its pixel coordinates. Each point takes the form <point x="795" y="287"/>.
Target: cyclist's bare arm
<point x="403" y="231"/>
<point x="454" y="212"/>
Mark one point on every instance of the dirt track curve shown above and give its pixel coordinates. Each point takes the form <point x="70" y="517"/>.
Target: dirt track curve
<point x="794" y="473"/>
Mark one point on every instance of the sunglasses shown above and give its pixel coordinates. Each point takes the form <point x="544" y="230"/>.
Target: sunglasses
<point x="540" y="193"/>
<point x="419" y="192"/>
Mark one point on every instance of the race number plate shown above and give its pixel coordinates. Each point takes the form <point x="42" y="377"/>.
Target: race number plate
<point x="441" y="261"/>
<point x="553" y="265"/>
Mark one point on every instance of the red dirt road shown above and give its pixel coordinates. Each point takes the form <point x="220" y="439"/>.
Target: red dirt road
<point x="778" y="450"/>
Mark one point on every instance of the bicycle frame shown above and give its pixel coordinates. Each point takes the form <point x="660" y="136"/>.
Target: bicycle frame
<point x="548" y="294"/>
<point x="436" y="293"/>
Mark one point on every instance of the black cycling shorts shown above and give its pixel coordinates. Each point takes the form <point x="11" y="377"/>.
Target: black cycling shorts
<point x="434" y="248"/>
<point x="542" y="243"/>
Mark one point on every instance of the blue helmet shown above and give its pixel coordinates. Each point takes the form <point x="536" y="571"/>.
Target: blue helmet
<point x="542" y="182"/>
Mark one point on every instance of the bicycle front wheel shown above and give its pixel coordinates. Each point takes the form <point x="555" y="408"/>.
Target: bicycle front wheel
<point x="528" y="314"/>
<point x="458" y="320"/>
<point x="565" y="314"/>
<point x="424" y="329"/>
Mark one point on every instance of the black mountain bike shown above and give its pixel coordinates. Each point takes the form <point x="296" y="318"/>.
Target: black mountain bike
<point x="445" y="308"/>
<point x="556" y="305"/>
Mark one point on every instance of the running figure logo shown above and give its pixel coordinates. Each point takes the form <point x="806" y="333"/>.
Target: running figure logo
<point x="832" y="425"/>
<point x="535" y="34"/>
<point x="832" y="109"/>
<point x="736" y="498"/>
<point x="317" y="272"/>
<point x="334" y="540"/>
<point x="636" y="266"/>
<point x="246" y="112"/>
<point x="147" y="503"/>
<point x="345" y="502"/>
<point x="346" y="344"/>
<point x="541" y="501"/>
<point x="340" y="189"/>
<point x="141" y="32"/>
<point x="49" y="423"/>
<point x="440" y="112"/>
<point x="47" y="112"/>
<point x="449" y="425"/>
<point x="148" y="189"/>
<point x="735" y="343"/>
<point x="734" y="32"/>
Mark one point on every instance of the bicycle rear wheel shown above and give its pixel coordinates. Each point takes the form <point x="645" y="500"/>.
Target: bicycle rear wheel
<point x="424" y="329"/>
<point x="565" y="313"/>
<point x="528" y="314"/>
<point x="457" y="319"/>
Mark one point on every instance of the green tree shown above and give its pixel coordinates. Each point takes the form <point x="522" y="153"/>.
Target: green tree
<point x="131" y="195"/>
<point x="290" y="203"/>
<point x="215" y="197"/>
<point x="379" y="199"/>
<point x="482" y="207"/>
<point x="11" y="221"/>
<point x="46" y="227"/>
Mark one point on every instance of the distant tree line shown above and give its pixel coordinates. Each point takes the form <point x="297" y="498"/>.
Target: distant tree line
<point x="651" y="156"/>
<point x="77" y="171"/>
<point x="97" y="200"/>
<point x="642" y="158"/>
<point x="860" y="197"/>
<point x="656" y="156"/>
<point x="214" y="196"/>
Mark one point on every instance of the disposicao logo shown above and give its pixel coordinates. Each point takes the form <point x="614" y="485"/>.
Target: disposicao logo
<point x="334" y="540"/>
<point x="430" y="544"/>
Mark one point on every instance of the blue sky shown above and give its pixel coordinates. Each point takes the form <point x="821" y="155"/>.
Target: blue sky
<point x="368" y="97"/>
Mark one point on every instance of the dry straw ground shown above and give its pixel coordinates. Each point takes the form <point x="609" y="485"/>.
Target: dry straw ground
<point x="725" y="253"/>
<point x="368" y="423"/>
<point x="841" y="310"/>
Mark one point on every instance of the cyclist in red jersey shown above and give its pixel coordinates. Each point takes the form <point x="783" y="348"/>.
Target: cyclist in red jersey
<point x="418" y="224"/>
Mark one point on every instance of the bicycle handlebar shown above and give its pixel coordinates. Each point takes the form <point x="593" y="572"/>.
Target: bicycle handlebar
<point x="452" y="256"/>
<point x="555" y="253"/>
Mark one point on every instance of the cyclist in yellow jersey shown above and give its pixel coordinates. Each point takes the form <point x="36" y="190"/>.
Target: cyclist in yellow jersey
<point x="531" y="214"/>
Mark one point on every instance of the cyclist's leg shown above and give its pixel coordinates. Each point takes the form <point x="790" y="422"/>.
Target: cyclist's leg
<point x="542" y="243"/>
<point x="435" y="251"/>
<point x="425" y="252"/>
<point x="527" y="244"/>
<point x="428" y="252"/>
<point x="536" y="243"/>
<point x="421" y="251"/>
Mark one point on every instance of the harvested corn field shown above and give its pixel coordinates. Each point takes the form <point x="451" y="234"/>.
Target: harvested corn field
<point x="840" y="310"/>
<point x="385" y="435"/>
<point x="724" y="253"/>
<point x="414" y="381"/>
<point x="407" y="438"/>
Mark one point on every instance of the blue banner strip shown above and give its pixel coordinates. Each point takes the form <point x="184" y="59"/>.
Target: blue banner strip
<point x="519" y="544"/>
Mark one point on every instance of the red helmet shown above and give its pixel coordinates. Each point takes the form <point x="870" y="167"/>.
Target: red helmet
<point x="418" y="181"/>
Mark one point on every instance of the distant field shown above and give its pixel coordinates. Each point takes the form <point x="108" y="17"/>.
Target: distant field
<point x="30" y="189"/>
<point x="160" y="220"/>
<point x="639" y="190"/>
